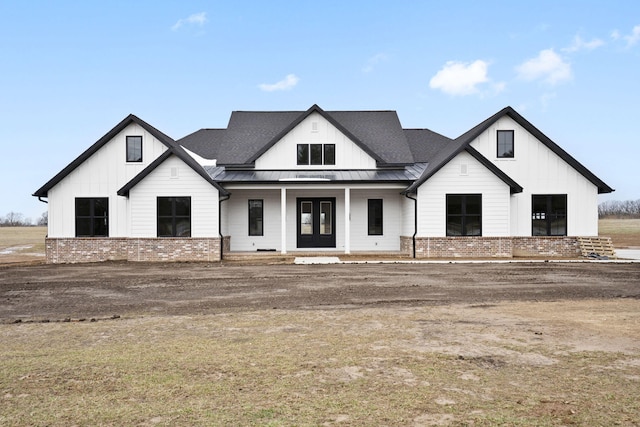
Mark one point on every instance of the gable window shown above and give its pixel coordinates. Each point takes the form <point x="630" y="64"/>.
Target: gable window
<point x="505" y="144"/>
<point x="464" y="214"/>
<point x="549" y="215"/>
<point x="134" y="148"/>
<point x="92" y="217"/>
<point x="174" y="216"/>
<point x="256" y="218"/>
<point x="316" y="154"/>
<point x="374" y="215"/>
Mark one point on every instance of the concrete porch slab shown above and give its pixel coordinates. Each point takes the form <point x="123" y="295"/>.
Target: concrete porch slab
<point x="317" y="260"/>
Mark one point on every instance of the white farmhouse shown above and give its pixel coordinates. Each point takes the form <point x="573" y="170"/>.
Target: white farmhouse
<point x="320" y="181"/>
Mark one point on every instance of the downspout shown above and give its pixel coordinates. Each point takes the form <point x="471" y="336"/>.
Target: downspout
<point x="40" y="199"/>
<point x="415" y="221"/>
<point x="220" y="225"/>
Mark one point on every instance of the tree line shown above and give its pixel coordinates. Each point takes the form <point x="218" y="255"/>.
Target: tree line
<point x="619" y="209"/>
<point x="16" y="219"/>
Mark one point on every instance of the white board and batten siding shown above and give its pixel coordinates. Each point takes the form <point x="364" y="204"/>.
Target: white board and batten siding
<point x="463" y="175"/>
<point x="541" y="171"/>
<point x="101" y="175"/>
<point x="314" y="129"/>
<point x="173" y="178"/>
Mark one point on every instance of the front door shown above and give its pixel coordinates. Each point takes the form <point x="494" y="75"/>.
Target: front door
<point x="316" y="222"/>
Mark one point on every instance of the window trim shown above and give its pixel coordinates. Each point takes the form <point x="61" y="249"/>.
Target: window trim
<point x="513" y="144"/>
<point x="173" y="216"/>
<point x="92" y="217"/>
<point x="260" y="232"/>
<point x="549" y="217"/>
<point x="130" y="139"/>
<point x="372" y="227"/>
<point x="463" y="215"/>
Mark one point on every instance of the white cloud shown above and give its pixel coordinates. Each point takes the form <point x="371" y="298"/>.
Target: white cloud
<point x="460" y="78"/>
<point x="287" y="83"/>
<point x="198" y="19"/>
<point x="634" y="37"/>
<point x="579" y="44"/>
<point x="373" y="61"/>
<point x="548" y="66"/>
<point x="615" y="34"/>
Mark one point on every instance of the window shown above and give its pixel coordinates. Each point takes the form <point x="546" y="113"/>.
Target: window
<point x="256" y="212"/>
<point x="134" y="148"/>
<point x="316" y="154"/>
<point x="505" y="144"/>
<point x="92" y="217"/>
<point x="374" y="215"/>
<point x="549" y="215"/>
<point x="174" y="216"/>
<point x="464" y="214"/>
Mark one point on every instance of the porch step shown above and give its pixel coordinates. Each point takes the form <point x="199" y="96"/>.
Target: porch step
<point x="600" y="246"/>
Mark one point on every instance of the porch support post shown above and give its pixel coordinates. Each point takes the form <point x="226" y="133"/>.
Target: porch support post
<point x="283" y="220"/>
<point x="347" y="220"/>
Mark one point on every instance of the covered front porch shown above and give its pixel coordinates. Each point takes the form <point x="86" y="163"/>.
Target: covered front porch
<point x="317" y="218"/>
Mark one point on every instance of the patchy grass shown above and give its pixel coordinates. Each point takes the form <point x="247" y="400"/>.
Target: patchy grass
<point x="385" y="366"/>
<point x="22" y="244"/>
<point x="23" y="236"/>
<point x="623" y="232"/>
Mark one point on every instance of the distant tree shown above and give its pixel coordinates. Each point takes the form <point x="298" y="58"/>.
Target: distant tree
<point x="44" y="219"/>
<point x="14" y="219"/>
<point x="619" y="209"/>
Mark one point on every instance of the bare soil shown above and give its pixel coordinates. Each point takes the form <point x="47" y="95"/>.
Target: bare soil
<point x="546" y="344"/>
<point x="55" y="292"/>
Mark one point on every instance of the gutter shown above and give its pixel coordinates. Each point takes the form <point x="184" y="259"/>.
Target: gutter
<point x="415" y="221"/>
<point x="227" y="197"/>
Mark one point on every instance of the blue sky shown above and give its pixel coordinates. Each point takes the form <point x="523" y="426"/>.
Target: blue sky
<point x="71" y="70"/>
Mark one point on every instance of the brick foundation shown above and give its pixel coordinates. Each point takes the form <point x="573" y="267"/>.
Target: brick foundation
<point x="75" y="250"/>
<point x="491" y="247"/>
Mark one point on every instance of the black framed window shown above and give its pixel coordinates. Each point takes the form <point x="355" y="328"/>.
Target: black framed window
<point x="506" y="147"/>
<point x="303" y="154"/>
<point x="316" y="154"/>
<point x="374" y="215"/>
<point x="549" y="215"/>
<point x="329" y="154"/>
<point x="256" y="217"/>
<point x="174" y="216"/>
<point x="134" y="148"/>
<point x="464" y="214"/>
<point x="92" y="217"/>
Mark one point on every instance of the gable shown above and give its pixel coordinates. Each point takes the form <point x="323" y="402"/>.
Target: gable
<point x="317" y="130"/>
<point x="110" y="152"/>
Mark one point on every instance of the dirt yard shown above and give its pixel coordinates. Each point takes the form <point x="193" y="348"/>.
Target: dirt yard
<point x="542" y="344"/>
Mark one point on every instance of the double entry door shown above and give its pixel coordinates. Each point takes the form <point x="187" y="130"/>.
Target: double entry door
<point x="316" y="222"/>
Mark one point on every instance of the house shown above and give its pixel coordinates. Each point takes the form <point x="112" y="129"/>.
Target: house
<point x="321" y="181"/>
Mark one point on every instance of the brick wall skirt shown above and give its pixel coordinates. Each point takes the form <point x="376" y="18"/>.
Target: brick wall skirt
<point x="75" y="250"/>
<point x="491" y="247"/>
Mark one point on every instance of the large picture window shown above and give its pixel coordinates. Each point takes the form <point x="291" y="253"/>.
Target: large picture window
<point x="374" y="215"/>
<point x="506" y="147"/>
<point x="174" y="216"/>
<point x="549" y="215"/>
<point x="92" y="217"/>
<point x="256" y="218"/>
<point x="316" y="154"/>
<point x="464" y="215"/>
<point x="134" y="148"/>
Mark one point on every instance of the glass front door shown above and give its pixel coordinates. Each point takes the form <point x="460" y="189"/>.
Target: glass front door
<point x="316" y="222"/>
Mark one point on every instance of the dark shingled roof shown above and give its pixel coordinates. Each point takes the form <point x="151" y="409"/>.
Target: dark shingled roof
<point x="251" y="133"/>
